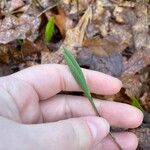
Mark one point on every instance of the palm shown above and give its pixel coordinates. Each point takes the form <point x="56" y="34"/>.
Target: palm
<point x="25" y="101"/>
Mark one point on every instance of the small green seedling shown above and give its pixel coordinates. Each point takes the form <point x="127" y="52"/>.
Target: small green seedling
<point x="80" y="79"/>
<point x="50" y="29"/>
<point x="136" y="103"/>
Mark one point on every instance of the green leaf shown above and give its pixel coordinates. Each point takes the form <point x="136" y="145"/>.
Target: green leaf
<point x="79" y="77"/>
<point x="50" y="29"/>
<point x="136" y="103"/>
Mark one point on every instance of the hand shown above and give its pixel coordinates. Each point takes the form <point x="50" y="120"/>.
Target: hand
<point x="34" y="117"/>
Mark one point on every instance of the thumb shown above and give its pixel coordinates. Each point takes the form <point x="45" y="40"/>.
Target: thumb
<point x="73" y="134"/>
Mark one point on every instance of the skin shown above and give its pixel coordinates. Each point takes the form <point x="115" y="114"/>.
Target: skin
<point x="35" y="116"/>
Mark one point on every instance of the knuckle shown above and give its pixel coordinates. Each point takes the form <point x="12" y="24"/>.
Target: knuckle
<point x="67" y="108"/>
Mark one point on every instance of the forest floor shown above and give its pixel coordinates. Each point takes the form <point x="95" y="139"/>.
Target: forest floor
<point x="110" y="36"/>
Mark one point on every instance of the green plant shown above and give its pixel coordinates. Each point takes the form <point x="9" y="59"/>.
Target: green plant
<point x="136" y="103"/>
<point x="80" y="79"/>
<point x="50" y="29"/>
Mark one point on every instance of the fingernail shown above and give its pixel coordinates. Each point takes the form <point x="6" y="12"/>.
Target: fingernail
<point x="93" y="129"/>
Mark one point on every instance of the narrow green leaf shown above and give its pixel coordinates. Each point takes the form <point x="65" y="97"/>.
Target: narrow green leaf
<point x="50" y="29"/>
<point x="76" y="72"/>
<point x="79" y="77"/>
<point x="136" y="103"/>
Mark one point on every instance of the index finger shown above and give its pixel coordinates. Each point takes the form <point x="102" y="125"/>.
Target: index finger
<point x="50" y="79"/>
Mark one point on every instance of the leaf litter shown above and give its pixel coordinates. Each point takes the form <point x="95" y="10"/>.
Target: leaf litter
<point x="110" y="36"/>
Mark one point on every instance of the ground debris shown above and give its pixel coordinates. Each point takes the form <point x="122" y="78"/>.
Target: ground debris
<point x="138" y="61"/>
<point x="110" y="36"/>
<point x="24" y="26"/>
<point x="144" y="137"/>
<point x="110" y="65"/>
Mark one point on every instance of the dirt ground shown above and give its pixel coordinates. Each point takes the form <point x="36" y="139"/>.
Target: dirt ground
<point x="110" y="36"/>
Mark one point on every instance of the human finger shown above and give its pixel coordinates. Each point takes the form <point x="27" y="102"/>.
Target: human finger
<point x="118" y="114"/>
<point x="78" y="133"/>
<point x="50" y="79"/>
<point x="127" y="141"/>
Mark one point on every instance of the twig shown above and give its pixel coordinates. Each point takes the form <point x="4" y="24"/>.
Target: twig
<point x="50" y="7"/>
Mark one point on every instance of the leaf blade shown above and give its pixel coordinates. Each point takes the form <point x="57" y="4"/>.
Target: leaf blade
<point x="79" y="77"/>
<point x="49" y="30"/>
<point x="76" y="72"/>
<point x="136" y="103"/>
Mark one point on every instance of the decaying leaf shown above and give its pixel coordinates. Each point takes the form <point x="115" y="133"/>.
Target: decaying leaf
<point x="110" y="36"/>
<point x="140" y="29"/>
<point x="143" y="135"/>
<point x="124" y="15"/>
<point x="138" y="61"/>
<point x="145" y="100"/>
<point x="114" y="43"/>
<point x="13" y="28"/>
<point x="110" y="64"/>
<point x="5" y="70"/>
<point x="4" y="57"/>
<point x="62" y="22"/>
<point x="15" y="4"/>
<point x="74" y="37"/>
<point x="132" y="85"/>
<point x="23" y="26"/>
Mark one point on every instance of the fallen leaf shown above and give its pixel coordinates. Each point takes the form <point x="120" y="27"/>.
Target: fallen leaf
<point x="15" y="4"/>
<point x="5" y="70"/>
<point x="62" y="22"/>
<point x="125" y="15"/>
<point x="132" y="85"/>
<point x="145" y="100"/>
<point x="110" y="65"/>
<point x="13" y="28"/>
<point x="140" y="29"/>
<point x="138" y="61"/>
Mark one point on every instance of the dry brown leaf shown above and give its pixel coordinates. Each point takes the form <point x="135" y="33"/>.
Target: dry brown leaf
<point x="129" y="4"/>
<point x="80" y="6"/>
<point x="13" y="28"/>
<point x="124" y="15"/>
<point x="118" y="39"/>
<point x="75" y="36"/>
<point x="143" y="135"/>
<point x="5" y="70"/>
<point x="132" y="84"/>
<point x="29" y="48"/>
<point x="138" y="61"/>
<point x="62" y="22"/>
<point x="145" y="101"/>
<point x="45" y="57"/>
<point x="4" y="57"/>
<point x="110" y="65"/>
<point x="140" y="29"/>
<point x="15" y="4"/>
<point x="95" y="46"/>
<point x="106" y="46"/>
